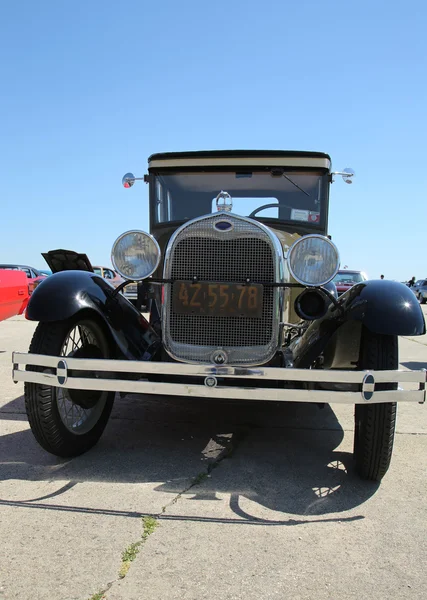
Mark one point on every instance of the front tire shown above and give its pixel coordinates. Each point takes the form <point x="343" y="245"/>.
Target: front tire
<point x="68" y="422"/>
<point x="374" y="424"/>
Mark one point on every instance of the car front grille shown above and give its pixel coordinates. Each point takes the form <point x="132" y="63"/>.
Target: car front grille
<point x="244" y="252"/>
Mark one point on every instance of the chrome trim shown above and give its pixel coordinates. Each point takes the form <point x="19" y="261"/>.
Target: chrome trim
<point x="156" y="244"/>
<point x="279" y="294"/>
<point x="304" y="238"/>
<point x="244" y="392"/>
<point x="211" y="381"/>
<point x="224" y="207"/>
<point x="368" y="386"/>
<point x="62" y="372"/>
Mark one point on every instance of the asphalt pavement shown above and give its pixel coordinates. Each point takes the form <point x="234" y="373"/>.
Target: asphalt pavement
<point x="192" y="499"/>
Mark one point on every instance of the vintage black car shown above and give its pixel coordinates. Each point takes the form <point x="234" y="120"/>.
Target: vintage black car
<point x="238" y="267"/>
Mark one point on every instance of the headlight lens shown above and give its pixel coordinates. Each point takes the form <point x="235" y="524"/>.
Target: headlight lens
<point x="135" y="255"/>
<point x="313" y="260"/>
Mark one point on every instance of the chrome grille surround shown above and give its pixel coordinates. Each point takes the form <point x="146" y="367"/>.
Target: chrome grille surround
<point x="248" y="250"/>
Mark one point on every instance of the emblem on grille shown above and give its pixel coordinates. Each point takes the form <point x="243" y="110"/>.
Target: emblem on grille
<point x="223" y="225"/>
<point x="211" y="381"/>
<point x="219" y="357"/>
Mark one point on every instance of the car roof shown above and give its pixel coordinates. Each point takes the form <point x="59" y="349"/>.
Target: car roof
<point x="231" y="158"/>
<point x="18" y="266"/>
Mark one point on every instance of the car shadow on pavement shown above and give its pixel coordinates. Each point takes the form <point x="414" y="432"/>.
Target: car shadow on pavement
<point x="280" y="456"/>
<point x="15" y="409"/>
<point x="414" y="365"/>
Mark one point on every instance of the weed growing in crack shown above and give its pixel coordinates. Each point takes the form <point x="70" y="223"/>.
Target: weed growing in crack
<point x="128" y="556"/>
<point x="149" y="524"/>
<point x="97" y="596"/>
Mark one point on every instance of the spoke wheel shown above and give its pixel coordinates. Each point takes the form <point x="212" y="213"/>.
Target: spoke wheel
<point x="80" y="410"/>
<point x="68" y="422"/>
<point x="374" y="424"/>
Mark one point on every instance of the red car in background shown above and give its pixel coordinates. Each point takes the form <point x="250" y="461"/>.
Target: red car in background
<point x="14" y="293"/>
<point x="34" y="277"/>
<point x="345" y="279"/>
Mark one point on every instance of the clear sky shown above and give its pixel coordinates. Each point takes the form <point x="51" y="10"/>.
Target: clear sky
<point x="90" y="89"/>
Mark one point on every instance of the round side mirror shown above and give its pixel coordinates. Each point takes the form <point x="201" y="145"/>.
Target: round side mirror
<point x="348" y="175"/>
<point x="128" y="180"/>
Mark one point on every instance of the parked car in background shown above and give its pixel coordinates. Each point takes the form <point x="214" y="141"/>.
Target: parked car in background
<point x="46" y="272"/>
<point x="421" y="291"/>
<point x="14" y="293"/>
<point x="345" y="279"/>
<point x="109" y="274"/>
<point x="416" y="285"/>
<point x="34" y="276"/>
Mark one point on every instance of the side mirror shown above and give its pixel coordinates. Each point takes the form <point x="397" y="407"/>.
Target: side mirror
<point x="128" y="180"/>
<point x="348" y="175"/>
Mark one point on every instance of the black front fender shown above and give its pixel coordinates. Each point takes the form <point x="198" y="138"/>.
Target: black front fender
<point x="65" y="294"/>
<point x="384" y="307"/>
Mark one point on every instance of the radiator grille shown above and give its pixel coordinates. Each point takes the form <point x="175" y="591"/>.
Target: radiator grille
<point x="244" y="252"/>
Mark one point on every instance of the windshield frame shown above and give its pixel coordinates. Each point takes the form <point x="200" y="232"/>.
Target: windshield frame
<point x="285" y="225"/>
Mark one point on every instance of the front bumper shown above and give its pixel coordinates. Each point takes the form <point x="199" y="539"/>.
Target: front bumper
<point x="208" y="381"/>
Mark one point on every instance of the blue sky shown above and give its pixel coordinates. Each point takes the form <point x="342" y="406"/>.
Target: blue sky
<point x="90" y="89"/>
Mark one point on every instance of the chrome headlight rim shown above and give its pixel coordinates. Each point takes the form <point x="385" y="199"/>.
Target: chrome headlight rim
<point x="302" y="239"/>
<point x="144" y="233"/>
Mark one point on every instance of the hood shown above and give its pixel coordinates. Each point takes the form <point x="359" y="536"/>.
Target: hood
<point x="67" y="260"/>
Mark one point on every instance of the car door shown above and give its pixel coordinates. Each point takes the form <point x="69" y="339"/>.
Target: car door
<point x="30" y="278"/>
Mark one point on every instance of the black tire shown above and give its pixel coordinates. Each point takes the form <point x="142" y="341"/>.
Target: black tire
<point x="421" y="299"/>
<point x="374" y="424"/>
<point x="49" y="408"/>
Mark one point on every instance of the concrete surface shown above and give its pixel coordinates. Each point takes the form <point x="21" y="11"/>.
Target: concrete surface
<point x="251" y="501"/>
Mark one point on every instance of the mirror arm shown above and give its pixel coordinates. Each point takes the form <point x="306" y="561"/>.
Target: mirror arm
<point x="347" y="175"/>
<point x="133" y="179"/>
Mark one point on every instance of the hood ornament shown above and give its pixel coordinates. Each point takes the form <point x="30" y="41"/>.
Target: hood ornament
<point x="224" y="202"/>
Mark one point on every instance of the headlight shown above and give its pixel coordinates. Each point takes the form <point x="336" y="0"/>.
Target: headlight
<point x="135" y="255"/>
<point x="313" y="260"/>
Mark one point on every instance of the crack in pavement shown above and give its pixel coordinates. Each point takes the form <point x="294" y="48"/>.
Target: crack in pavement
<point x="416" y="341"/>
<point x="225" y="445"/>
<point x="227" y="450"/>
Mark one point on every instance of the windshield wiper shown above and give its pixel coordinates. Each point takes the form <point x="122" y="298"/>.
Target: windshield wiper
<point x="279" y="172"/>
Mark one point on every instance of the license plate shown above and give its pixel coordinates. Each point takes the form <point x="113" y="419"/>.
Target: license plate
<point x="217" y="299"/>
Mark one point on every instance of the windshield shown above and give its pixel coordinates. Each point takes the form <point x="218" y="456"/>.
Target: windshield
<point x="350" y="278"/>
<point x="298" y="197"/>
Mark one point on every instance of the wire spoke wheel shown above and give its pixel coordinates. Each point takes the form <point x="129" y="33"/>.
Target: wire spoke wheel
<point x="76" y="418"/>
<point x="68" y="422"/>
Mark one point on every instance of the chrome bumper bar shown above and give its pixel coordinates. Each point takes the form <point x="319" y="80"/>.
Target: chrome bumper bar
<point x="61" y="372"/>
